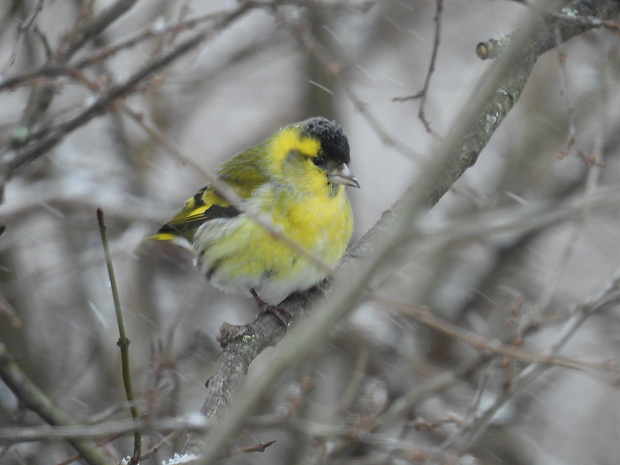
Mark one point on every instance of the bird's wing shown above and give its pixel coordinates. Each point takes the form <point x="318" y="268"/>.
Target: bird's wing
<point x="206" y="205"/>
<point x="244" y="173"/>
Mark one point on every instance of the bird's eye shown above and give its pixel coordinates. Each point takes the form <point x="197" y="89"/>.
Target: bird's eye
<point x="318" y="161"/>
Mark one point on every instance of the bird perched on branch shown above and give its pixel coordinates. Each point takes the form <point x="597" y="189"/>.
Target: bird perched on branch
<point x="277" y="217"/>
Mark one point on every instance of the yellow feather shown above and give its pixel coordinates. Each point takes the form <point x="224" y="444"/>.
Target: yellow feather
<point x="287" y="140"/>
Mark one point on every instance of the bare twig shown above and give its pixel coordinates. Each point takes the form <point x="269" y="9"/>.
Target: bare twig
<point x="423" y="94"/>
<point x="42" y="96"/>
<point x="331" y="64"/>
<point x="518" y="219"/>
<point x="164" y="440"/>
<point x="594" y="171"/>
<point x="425" y="317"/>
<point x="123" y="341"/>
<point x="22" y="30"/>
<point x="34" y="144"/>
<point x="431" y="387"/>
<point x="564" y="89"/>
<point x="608" y="295"/>
<point x="316" y="431"/>
<point x="111" y="428"/>
<point x="29" y="395"/>
<point x="259" y="447"/>
<point x="53" y="70"/>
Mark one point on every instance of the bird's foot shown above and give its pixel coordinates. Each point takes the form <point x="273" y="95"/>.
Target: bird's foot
<point x="281" y="314"/>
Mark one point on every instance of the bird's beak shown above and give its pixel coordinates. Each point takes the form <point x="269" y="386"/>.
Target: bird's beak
<point x="342" y="175"/>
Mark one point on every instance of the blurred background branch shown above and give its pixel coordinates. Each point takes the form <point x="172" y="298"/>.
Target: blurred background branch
<point x="39" y="403"/>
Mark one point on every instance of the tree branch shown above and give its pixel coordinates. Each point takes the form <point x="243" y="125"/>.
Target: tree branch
<point x="42" y="96"/>
<point x="35" y="400"/>
<point x="36" y="144"/>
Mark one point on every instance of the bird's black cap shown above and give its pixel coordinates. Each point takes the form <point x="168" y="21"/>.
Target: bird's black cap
<point x="333" y="140"/>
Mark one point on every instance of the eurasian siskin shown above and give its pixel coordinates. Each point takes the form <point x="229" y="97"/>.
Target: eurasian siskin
<point x="295" y="181"/>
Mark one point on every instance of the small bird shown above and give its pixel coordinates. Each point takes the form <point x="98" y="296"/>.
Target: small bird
<point x="294" y="180"/>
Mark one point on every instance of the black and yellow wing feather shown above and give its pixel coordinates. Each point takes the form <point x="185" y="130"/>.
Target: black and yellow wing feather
<point x="244" y="173"/>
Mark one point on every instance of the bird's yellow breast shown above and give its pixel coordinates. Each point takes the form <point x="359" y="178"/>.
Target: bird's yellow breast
<point x="321" y="224"/>
<point x="244" y="254"/>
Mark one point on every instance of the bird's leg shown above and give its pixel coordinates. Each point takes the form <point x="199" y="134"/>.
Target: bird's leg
<point x="261" y="303"/>
<point x="277" y="312"/>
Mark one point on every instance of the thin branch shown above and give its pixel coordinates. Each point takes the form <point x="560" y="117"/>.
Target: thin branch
<point x="594" y="171"/>
<point x="42" y="96"/>
<point x="36" y="144"/>
<point x="608" y="295"/>
<point x="316" y="431"/>
<point x="565" y="91"/>
<point x="22" y="30"/>
<point x="111" y="428"/>
<point x="517" y="220"/>
<point x="433" y="386"/>
<point x="33" y="145"/>
<point x="53" y="70"/>
<point x="34" y="399"/>
<point x="425" y="317"/>
<point x="312" y="45"/>
<point x="423" y="94"/>
<point x="160" y="444"/>
<point x="91" y="28"/>
<point x="123" y="341"/>
<point x="259" y="447"/>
